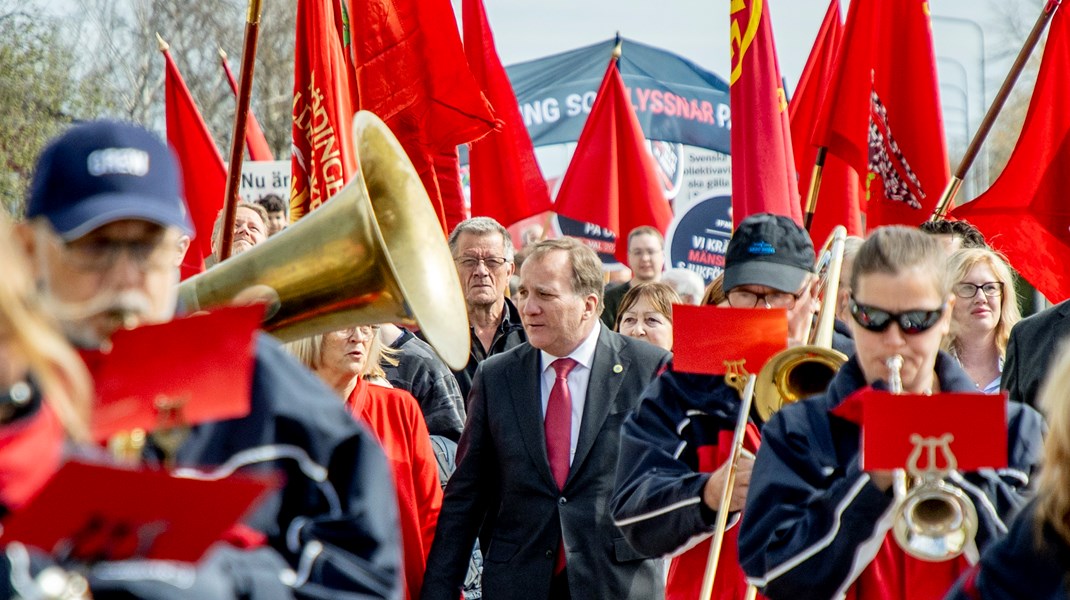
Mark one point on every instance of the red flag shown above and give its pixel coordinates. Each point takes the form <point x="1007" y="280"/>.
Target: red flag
<point x="763" y="167"/>
<point x="837" y="202"/>
<point x="881" y="114"/>
<point x="254" y="135"/>
<point x="411" y="71"/>
<point x="204" y="177"/>
<point x="506" y="182"/>
<point x="1025" y="214"/>
<point x="323" y="156"/>
<point x="612" y="180"/>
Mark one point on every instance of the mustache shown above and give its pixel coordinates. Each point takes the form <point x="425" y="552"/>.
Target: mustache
<point x="123" y="306"/>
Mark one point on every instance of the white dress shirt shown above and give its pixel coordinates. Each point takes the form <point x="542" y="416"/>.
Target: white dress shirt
<point x="578" y="379"/>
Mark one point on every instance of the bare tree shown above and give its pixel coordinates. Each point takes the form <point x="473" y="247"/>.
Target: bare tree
<point x="126" y="58"/>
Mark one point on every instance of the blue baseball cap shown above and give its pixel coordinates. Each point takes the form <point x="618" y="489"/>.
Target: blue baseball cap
<point x="105" y="171"/>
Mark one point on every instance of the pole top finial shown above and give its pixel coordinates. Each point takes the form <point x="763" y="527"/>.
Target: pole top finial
<point x="618" y="49"/>
<point x="164" y="46"/>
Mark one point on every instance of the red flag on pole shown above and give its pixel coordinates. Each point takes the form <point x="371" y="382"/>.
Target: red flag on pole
<point x="837" y="202"/>
<point x="1025" y="214"/>
<point x="254" y="135"/>
<point x="505" y="182"/>
<point x="612" y="180"/>
<point x="763" y="167"/>
<point x="204" y="177"/>
<point x="411" y="71"/>
<point x="323" y="108"/>
<point x="881" y="114"/>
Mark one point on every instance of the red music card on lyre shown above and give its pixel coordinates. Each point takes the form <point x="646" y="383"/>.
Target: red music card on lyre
<point x="90" y="513"/>
<point x="707" y="338"/>
<point x="969" y="428"/>
<point x="199" y="367"/>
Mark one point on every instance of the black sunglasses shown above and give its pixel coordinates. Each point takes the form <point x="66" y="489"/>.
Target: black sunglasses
<point x="910" y="322"/>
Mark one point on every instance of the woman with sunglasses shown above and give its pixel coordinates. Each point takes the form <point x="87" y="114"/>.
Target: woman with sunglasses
<point x="816" y="525"/>
<point x="986" y="307"/>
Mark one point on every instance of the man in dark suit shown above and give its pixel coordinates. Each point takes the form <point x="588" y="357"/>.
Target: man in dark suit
<point x="536" y="461"/>
<point x="1032" y="344"/>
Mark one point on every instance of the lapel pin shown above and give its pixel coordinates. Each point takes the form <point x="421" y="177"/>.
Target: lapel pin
<point x="618" y="369"/>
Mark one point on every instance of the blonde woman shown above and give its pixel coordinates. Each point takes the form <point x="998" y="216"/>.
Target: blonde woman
<point x="348" y="360"/>
<point x="1033" y="560"/>
<point x="44" y="387"/>
<point x="986" y="308"/>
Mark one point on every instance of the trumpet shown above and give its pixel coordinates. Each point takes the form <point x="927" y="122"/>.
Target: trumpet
<point x="933" y="521"/>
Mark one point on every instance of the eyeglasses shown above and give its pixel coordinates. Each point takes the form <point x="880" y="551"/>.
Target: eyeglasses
<point x="101" y="255"/>
<point x="470" y="262"/>
<point x="366" y="331"/>
<point x="910" y="322"/>
<point x="747" y="299"/>
<point x="992" y="289"/>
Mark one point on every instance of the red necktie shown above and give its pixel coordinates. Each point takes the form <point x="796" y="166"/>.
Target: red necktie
<point x="558" y="428"/>
<point x="558" y="423"/>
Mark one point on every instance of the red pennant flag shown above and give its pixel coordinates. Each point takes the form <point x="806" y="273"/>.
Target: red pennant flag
<point x="323" y="155"/>
<point x="505" y="182"/>
<point x="612" y="180"/>
<point x="254" y="135"/>
<point x="837" y="202"/>
<point x="204" y="177"/>
<point x="763" y="167"/>
<point x="1025" y="214"/>
<point x="411" y="71"/>
<point x="881" y="114"/>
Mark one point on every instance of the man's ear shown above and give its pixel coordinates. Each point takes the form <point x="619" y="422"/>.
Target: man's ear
<point x="590" y="305"/>
<point x="183" y="245"/>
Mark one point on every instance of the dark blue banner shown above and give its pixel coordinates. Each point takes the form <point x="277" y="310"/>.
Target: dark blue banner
<point x="675" y="99"/>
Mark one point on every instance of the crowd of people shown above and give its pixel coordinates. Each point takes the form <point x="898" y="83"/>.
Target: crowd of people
<point x="567" y="458"/>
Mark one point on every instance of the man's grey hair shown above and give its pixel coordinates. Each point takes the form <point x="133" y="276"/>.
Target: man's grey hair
<point x="686" y="283"/>
<point x="480" y="226"/>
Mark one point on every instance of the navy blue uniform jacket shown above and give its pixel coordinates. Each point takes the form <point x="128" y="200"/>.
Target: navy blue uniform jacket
<point x="814" y="521"/>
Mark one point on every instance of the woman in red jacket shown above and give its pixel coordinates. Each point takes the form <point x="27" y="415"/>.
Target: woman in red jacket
<point x="348" y="361"/>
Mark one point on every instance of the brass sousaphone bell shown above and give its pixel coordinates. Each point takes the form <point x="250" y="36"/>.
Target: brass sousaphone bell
<point x="373" y="253"/>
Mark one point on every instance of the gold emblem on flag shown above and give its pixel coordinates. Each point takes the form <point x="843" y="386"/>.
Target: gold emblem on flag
<point x="740" y="42"/>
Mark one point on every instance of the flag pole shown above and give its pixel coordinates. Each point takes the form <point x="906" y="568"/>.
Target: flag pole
<point x="815" y="187"/>
<point x="237" y="145"/>
<point x="1004" y="92"/>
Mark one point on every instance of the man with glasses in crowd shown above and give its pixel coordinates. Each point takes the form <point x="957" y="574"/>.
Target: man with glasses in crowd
<point x="646" y="259"/>
<point x="106" y="228"/>
<point x="483" y="252"/>
<point x="669" y="482"/>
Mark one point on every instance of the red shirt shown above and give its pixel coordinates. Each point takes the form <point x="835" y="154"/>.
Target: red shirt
<point x="31" y="450"/>
<point x="395" y="418"/>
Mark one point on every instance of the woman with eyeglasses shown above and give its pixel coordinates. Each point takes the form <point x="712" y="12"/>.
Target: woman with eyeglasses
<point x="986" y="308"/>
<point x="815" y="524"/>
<point x="348" y="360"/>
<point x="645" y="313"/>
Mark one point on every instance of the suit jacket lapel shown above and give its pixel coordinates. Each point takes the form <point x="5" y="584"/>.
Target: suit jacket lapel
<point x="527" y="403"/>
<point x="607" y="374"/>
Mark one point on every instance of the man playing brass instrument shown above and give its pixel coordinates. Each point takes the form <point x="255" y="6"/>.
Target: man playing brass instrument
<point x="106" y="230"/>
<point x="668" y="484"/>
